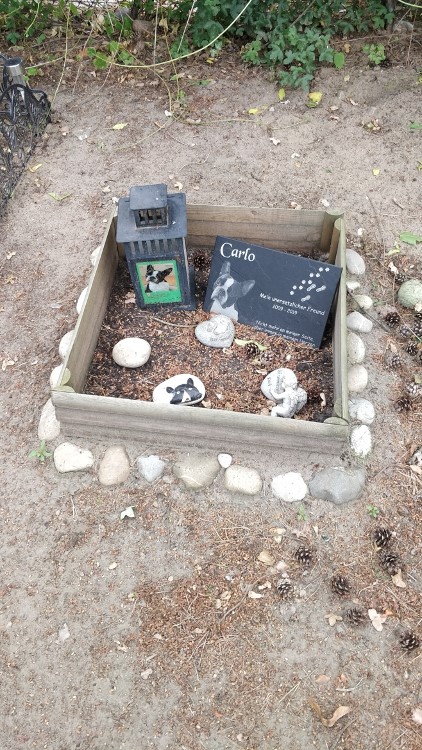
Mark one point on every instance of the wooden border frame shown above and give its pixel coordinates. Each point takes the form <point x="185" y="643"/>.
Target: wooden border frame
<point x="307" y="232"/>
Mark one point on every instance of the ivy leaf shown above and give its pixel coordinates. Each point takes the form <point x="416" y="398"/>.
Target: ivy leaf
<point x="415" y="126"/>
<point x="59" y="198"/>
<point x="281" y="95"/>
<point x="119" y="126"/>
<point x="243" y="342"/>
<point x="410" y="238"/>
<point x="375" y="172"/>
<point x="339" y="60"/>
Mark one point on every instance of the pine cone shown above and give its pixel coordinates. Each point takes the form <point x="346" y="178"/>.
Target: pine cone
<point x="390" y="562"/>
<point x="412" y="348"/>
<point x="409" y="640"/>
<point x="418" y="315"/>
<point x="340" y="585"/>
<point x="355" y="616"/>
<point x="405" y="331"/>
<point x="413" y="389"/>
<point x="403" y="404"/>
<point x="417" y="328"/>
<point x="382" y="537"/>
<point x="393" y="360"/>
<point x="266" y="356"/>
<point x="400" y="277"/>
<point x="285" y="588"/>
<point x="200" y="261"/>
<point x="251" y="349"/>
<point x="392" y="319"/>
<point x="304" y="555"/>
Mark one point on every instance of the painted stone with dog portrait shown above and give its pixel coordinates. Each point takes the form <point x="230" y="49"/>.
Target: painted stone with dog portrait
<point x="280" y="293"/>
<point x="218" y="332"/>
<point x="180" y="390"/>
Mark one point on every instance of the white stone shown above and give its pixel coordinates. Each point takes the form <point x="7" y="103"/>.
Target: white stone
<point x="131" y="352"/>
<point x="217" y="332"/>
<point x="55" y="376"/>
<point x="276" y="382"/>
<point x="225" y="460"/>
<point x="363" y="300"/>
<point x="354" y="263"/>
<point x="65" y="343"/>
<point x="48" y="426"/>
<point x="361" y="410"/>
<point x="181" y="389"/>
<point x="94" y="255"/>
<point x="357" y="322"/>
<point x="355" y="349"/>
<point x="289" y="487"/>
<point x="357" y="378"/>
<point x="242" y="479"/>
<point x="150" y="467"/>
<point x="410" y="293"/>
<point x="81" y="300"/>
<point x="70" y="457"/>
<point x="361" y="440"/>
<point x="114" y="467"/>
<point x="352" y="285"/>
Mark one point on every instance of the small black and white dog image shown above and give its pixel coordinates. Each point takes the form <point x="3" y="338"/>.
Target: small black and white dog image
<point x="156" y="280"/>
<point x="184" y="393"/>
<point x="227" y="291"/>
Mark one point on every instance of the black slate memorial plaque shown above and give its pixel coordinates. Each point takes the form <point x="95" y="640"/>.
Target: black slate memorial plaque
<point x="275" y="292"/>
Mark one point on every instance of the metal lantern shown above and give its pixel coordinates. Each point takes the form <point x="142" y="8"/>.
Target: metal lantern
<point x="152" y="226"/>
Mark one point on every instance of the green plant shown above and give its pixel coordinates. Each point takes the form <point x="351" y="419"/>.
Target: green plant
<point x="375" y="52"/>
<point x="41" y="453"/>
<point x="301" y="513"/>
<point x="373" y="511"/>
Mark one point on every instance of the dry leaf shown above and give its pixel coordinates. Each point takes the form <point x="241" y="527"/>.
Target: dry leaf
<point x="346" y="47"/>
<point x="338" y="713"/>
<point x="322" y="679"/>
<point x="178" y="185"/>
<point x="398" y="580"/>
<point x="35" y="167"/>
<point x="266" y="558"/>
<point x="332" y="618"/>
<point x="112" y="566"/>
<point x="417" y="715"/>
<point x="10" y="255"/>
<point x="375" y="172"/>
<point x="275" y="141"/>
<point x="7" y="363"/>
<point x="416" y="469"/>
<point x="376" y="619"/>
<point x="354" y="104"/>
<point x="119" y="126"/>
<point x="254" y="595"/>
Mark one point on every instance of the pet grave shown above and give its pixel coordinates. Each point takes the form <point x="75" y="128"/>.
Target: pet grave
<point x="291" y="247"/>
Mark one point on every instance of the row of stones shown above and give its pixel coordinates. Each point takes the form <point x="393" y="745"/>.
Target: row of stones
<point x="361" y="410"/>
<point x="197" y="472"/>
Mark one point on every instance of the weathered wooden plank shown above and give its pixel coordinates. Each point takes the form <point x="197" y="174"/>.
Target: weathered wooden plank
<point x="341" y="393"/>
<point x="82" y="414"/>
<point x="90" y="320"/>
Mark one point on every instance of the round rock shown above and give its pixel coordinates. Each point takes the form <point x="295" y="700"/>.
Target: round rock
<point x="410" y="293"/>
<point x="361" y="441"/>
<point x="363" y="300"/>
<point x="114" y="467"/>
<point x="182" y="390"/>
<point x="48" y="426"/>
<point x="357" y="378"/>
<point x="361" y="410"/>
<point x="355" y="349"/>
<point x="289" y="487"/>
<point x="69" y="457"/>
<point x="95" y="255"/>
<point x="55" y="376"/>
<point x="217" y="332"/>
<point x="131" y="352"/>
<point x="81" y="300"/>
<point x="242" y="479"/>
<point x="352" y="285"/>
<point x="65" y="343"/>
<point x="337" y="485"/>
<point x="354" y="263"/>
<point x="196" y="471"/>
<point x="275" y="383"/>
<point x="150" y="467"/>
<point x="357" y="322"/>
<point x="225" y="460"/>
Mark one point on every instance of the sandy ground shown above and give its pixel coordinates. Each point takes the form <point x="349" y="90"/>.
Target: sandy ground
<point x="240" y="673"/>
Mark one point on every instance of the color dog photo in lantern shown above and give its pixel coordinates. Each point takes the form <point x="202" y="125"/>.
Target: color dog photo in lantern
<point x="159" y="281"/>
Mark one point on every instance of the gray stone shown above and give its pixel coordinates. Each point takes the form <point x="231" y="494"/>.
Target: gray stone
<point x="355" y="349"/>
<point x="361" y="441"/>
<point x="354" y="263"/>
<point x="180" y="390"/>
<point x="289" y="487"/>
<point x="357" y="378"/>
<point x="337" y="484"/>
<point x="48" y="426"/>
<point x="361" y="410"/>
<point x="410" y="293"/>
<point x="196" y="471"/>
<point x="65" y="343"/>
<point x="131" y="352"/>
<point x="217" y="332"/>
<point x="352" y="285"/>
<point x="114" y="467"/>
<point x="242" y="479"/>
<point x="150" y="467"/>
<point x="363" y="300"/>
<point x="357" y="322"/>
<point x="69" y="457"/>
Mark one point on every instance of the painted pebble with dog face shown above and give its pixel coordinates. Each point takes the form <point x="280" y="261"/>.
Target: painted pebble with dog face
<point x="180" y="390"/>
<point x="217" y="332"/>
<point x="131" y="352"/>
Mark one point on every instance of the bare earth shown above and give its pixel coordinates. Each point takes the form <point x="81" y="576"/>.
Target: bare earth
<point x="166" y="650"/>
